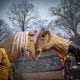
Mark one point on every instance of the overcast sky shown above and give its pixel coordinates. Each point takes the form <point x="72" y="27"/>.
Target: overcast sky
<point x="41" y="5"/>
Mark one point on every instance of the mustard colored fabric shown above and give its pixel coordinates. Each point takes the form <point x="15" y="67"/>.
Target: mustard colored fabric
<point x="3" y="73"/>
<point x="5" y="65"/>
<point x="7" y="45"/>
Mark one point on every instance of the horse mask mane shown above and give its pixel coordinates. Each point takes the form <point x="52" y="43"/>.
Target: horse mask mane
<point x="23" y="43"/>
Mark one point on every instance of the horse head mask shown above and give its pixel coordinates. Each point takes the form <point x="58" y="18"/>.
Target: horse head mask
<point x="47" y="40"/>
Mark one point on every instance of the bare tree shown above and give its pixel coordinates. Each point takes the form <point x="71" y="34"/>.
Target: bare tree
<point x="5" y="30"/>
<point x="69" y="16"/>
<point x="22" y="14"/>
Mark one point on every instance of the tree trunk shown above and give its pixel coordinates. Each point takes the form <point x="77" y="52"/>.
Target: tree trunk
<point x="23" y="27"/>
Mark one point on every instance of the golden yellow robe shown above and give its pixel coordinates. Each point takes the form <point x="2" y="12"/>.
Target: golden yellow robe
<point x="5" y="65"/>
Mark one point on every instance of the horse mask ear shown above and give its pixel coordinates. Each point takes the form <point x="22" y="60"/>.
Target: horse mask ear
<point x="46" y="35"/>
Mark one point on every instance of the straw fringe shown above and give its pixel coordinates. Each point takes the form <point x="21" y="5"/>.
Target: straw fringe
<point x="20" y="41"/>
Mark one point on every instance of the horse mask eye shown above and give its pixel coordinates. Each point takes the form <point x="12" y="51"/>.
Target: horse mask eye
<point x="42" y="37"/>
<point x="46" y="35"/>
